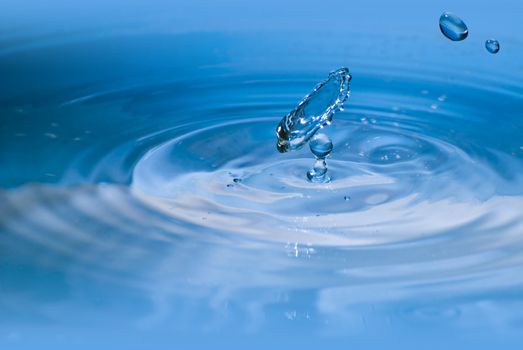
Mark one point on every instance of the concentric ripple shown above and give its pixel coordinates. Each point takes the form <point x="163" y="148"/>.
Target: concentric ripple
<point x="176" y="186"/>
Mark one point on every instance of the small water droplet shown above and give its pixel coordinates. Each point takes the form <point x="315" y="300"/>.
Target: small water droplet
<point x="321" y="145"/>
<point x="492" y="45"/>
<point x="442" y="98"/>
<point x="347" y="198"/>
<point x="237" y="180"/>
<point x="318" y="173"/>
<point x="230" y="185"/>
<point x="453" y="27"/>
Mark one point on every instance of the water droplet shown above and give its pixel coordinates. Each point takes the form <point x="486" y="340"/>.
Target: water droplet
<point x="347" y="198"/>
<point x="237" y="180"/>
<point x="313" y="112"/>
<point x="321" y="145"/>
<point x="492" y="45"/>
<point x="453" y="27"/>
<point x="318" y="173"/>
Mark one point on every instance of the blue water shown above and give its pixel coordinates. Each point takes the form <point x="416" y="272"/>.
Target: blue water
<point x="143" y="203"/>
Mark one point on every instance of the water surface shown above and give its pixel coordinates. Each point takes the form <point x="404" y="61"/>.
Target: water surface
<point x="144" y="203"/>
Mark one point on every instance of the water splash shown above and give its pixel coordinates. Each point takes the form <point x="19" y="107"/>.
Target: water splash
<point x="492" y="46"/>
<point x="314" y="111"/>
<point x="453" y="27"/>
<point x="321" y="147"/>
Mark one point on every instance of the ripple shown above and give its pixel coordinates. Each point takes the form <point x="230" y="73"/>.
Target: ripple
<point x="426" y="182"/>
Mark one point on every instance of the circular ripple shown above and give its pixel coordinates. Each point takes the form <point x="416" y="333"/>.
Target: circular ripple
<point x="229" y="177"/>
<point x="425" y="180"/>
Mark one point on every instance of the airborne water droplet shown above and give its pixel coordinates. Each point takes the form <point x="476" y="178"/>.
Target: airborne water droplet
<point x="492" y="45"/>
<point x="313" y="112"/>
<point x="321" y="145"/>
<point x="453" y="27"/>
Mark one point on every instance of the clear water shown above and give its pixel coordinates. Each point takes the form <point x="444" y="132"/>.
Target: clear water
<point x="453" y="27"/>
<point x="492" y="45"/>
<point x="144" y="204"/>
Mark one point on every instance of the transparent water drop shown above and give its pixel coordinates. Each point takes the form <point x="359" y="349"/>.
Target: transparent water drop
<point x="347" y="198"/>
<point x="453" y="27"/>
<point x="321" y="145"/>
<point x="318" y="173"/>
<point x="313" y="112"/>
<point x="492" y="45"/>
